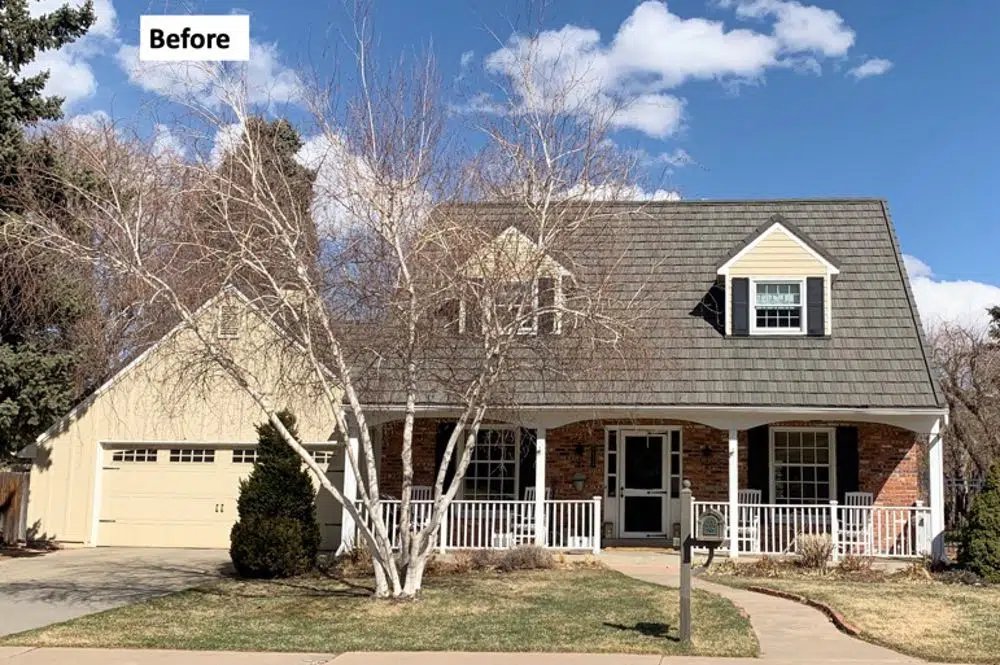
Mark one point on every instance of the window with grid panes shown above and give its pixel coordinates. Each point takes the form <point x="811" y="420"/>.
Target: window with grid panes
<point x="803" y="466"/>
<point x="134" y="455"/>
<point x="201" y="455"/>
<point x="778" y="307"/>
<point x="612" y="463"/>
<point x="244" y="455"/>
<point x="492" y="472"/>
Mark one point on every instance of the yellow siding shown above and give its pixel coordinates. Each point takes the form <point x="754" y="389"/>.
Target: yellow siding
<point x="778" y="255"/>
<point x="155" y="401"/>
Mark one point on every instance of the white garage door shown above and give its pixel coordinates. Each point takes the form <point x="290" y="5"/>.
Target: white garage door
<point x="184" y="496"/>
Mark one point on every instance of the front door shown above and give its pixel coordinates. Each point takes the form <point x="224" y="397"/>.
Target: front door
<point x="645" y="486"/>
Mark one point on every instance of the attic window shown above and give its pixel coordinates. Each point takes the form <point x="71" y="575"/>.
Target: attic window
<point x="229" y="321"/>
<point x="778" y="307"/>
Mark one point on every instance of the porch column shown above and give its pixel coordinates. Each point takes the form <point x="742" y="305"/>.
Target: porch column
<point x="348" y="529"/>
<point x="540" y="531"/>
<point x="734" y="483"/>
<point x="935" y="466"/>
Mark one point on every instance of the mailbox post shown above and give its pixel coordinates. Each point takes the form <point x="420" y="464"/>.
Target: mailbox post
<point x="708" y="531"/>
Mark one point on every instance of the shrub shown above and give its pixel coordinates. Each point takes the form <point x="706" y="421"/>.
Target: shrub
<point x="357" y="561"/>
<point x="980" y="546"/>
<point x="280" y="489"/>
<point x="267" y="547"/>
<point x="484" y="559"/>
<point x="814" y="551"/>
<point x="853" y="563"/>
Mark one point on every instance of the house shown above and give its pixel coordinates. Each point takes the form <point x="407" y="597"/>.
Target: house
<point x="785" y="375"/>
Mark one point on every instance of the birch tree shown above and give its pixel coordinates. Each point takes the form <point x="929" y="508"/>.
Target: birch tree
<point x="392" y="286"/>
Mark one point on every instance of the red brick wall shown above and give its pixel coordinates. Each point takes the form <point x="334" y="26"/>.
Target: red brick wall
<point x="888" y="458"/>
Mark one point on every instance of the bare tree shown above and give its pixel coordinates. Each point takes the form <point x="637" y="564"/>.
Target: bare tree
<point x="400" y="284"/>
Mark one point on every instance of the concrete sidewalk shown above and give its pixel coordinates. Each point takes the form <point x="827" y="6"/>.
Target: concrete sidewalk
<point x="39" y="656"/>
<point x="786" y="630"/>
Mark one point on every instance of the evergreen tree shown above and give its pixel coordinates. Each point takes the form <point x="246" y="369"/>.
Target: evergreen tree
<point x="277" y="534"/>
<point x="980" y="546"/>
<point x="40" y="307"/>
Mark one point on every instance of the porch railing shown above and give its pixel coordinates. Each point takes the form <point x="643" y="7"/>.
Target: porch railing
<point x="878" y="531"/>
<point x="481" y="524"/>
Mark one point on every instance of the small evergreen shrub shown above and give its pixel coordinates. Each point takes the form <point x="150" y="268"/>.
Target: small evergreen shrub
<point x="980" y="546"/>
<point x="268" y="547"/>
<point x="277" y="491"/>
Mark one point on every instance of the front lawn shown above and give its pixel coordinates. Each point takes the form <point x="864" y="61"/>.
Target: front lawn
<point x="924" y="618"/>
<point x="578" y="610"/>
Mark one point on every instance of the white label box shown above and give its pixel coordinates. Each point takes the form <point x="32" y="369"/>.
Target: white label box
<point x="179" y="37"/>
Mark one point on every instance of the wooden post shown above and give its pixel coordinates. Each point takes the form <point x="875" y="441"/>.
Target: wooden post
<point x="686" y="528"/>
<point x="734" y="484"/>
<point x="541" y="532"/>
<point x="834" y="532"/>
<point x="597" y="525"/>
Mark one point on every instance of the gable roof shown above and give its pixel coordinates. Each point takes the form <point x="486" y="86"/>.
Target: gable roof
<point x="778" y="222"/>
<point x="875" y="357"/>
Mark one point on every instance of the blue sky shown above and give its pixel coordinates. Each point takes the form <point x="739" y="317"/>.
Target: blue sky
<point x="753" y="98"/>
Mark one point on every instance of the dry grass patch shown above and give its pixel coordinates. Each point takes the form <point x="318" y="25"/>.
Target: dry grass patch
<point x="906" y="612"/>
<point x="578" y="609"/>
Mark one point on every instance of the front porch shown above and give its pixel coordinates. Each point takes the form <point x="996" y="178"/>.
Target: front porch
<point x="615" y="482"/>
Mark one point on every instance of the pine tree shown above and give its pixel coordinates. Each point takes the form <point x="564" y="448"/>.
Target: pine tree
<point x="277" y="534"/>
<point x="40" y="308"/>
<point x="980" y="547"/>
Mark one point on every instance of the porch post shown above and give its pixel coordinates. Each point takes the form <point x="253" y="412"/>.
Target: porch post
<point x="348" y="529"/>
<point x="540" y="532"/>
<point x="734" y="483"/>
<point x="935" y="466"/>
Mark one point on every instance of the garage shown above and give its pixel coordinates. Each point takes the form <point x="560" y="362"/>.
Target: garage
<point x="184" y="495"/>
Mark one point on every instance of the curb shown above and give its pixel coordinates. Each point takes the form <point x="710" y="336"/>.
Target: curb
<point x="836" y="617"/>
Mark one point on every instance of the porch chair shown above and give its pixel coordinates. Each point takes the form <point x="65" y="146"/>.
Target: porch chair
<point x="524" y="520"/>
<point x="748" y="522"/>
<point x="856" y="525"/>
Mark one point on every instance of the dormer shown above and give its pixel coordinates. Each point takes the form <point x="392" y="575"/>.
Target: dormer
<point x="778" y="282"/>
<point x="513" y="268"/>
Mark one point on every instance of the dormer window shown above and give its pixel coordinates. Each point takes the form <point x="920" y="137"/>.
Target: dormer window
<point x="229" y="322"/>
<point x="521" y="296"/>
<point x="778" y="307"/>
<point x="778" y="282"/>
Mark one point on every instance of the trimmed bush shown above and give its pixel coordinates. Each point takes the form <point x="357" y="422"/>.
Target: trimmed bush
<point x="980" y="546"/>
<point x="278" y="489"/>
<point x="814" y="551"/>
<point x="268" y="547"/>
<point x="525" y="557"/>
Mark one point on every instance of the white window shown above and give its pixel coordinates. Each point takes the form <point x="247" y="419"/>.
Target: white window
<point x="322" y="456"/>
<point x="803" y="465"/>
<point x="135" y="455"/>
<point x="229" y="321"/>
<point x="202" y="455"/>
<point x="778" y="306"/>
<point x="244" y="455"/>
<point x="492" y="472"/>
<point x="518" y="302"/>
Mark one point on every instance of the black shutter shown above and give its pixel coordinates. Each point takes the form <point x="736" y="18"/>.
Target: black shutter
<point x="546" y="301"/>
<point x="847" y="461"/>
<point x="443" y="434"/>
<point x="526" y="474"/>
<point x="759" y="461"/>
<point x="814" y="306"/>
<point x="741" y="306"/>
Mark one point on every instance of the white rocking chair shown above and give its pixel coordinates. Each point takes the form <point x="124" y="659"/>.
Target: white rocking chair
<point x="748" y="522"/>
<point x="524" y="521"/>
<point x="856" y="533"/>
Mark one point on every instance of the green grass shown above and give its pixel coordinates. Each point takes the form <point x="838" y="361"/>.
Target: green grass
<point x="575" y="610"/>
<point x="924" y="618"/>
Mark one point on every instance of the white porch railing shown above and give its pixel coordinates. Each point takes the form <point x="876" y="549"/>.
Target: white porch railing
<point x="879" y="531"/>
<point x="477" y="524"/>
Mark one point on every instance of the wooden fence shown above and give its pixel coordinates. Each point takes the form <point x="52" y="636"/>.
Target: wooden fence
<point x="13" y="506"/>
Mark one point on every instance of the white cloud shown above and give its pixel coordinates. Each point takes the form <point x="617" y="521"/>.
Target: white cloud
<point x="226" y="139"/>
<point x="166" y="145"/>
<point x="624" y="192"/>
<point x="573" y="71"/>
<point x="71" y="75"/>
<point x="956" y="301"/>
<point x="264" y="79"/>
<point x="89" y="122"/>
<point x="871" y="67"/>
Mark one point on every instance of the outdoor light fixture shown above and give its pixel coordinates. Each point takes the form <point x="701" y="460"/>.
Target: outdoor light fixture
<point x="706" y="452"/>
<point x="578" y="480"/>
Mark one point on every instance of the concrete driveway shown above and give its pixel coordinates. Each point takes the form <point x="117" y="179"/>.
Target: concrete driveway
<point x="37" y="591"/>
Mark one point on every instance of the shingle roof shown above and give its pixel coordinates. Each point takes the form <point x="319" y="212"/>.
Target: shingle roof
<point x="875" y="357"/>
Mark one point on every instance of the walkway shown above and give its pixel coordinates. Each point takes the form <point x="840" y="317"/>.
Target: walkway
<point x="787" y="631"/>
